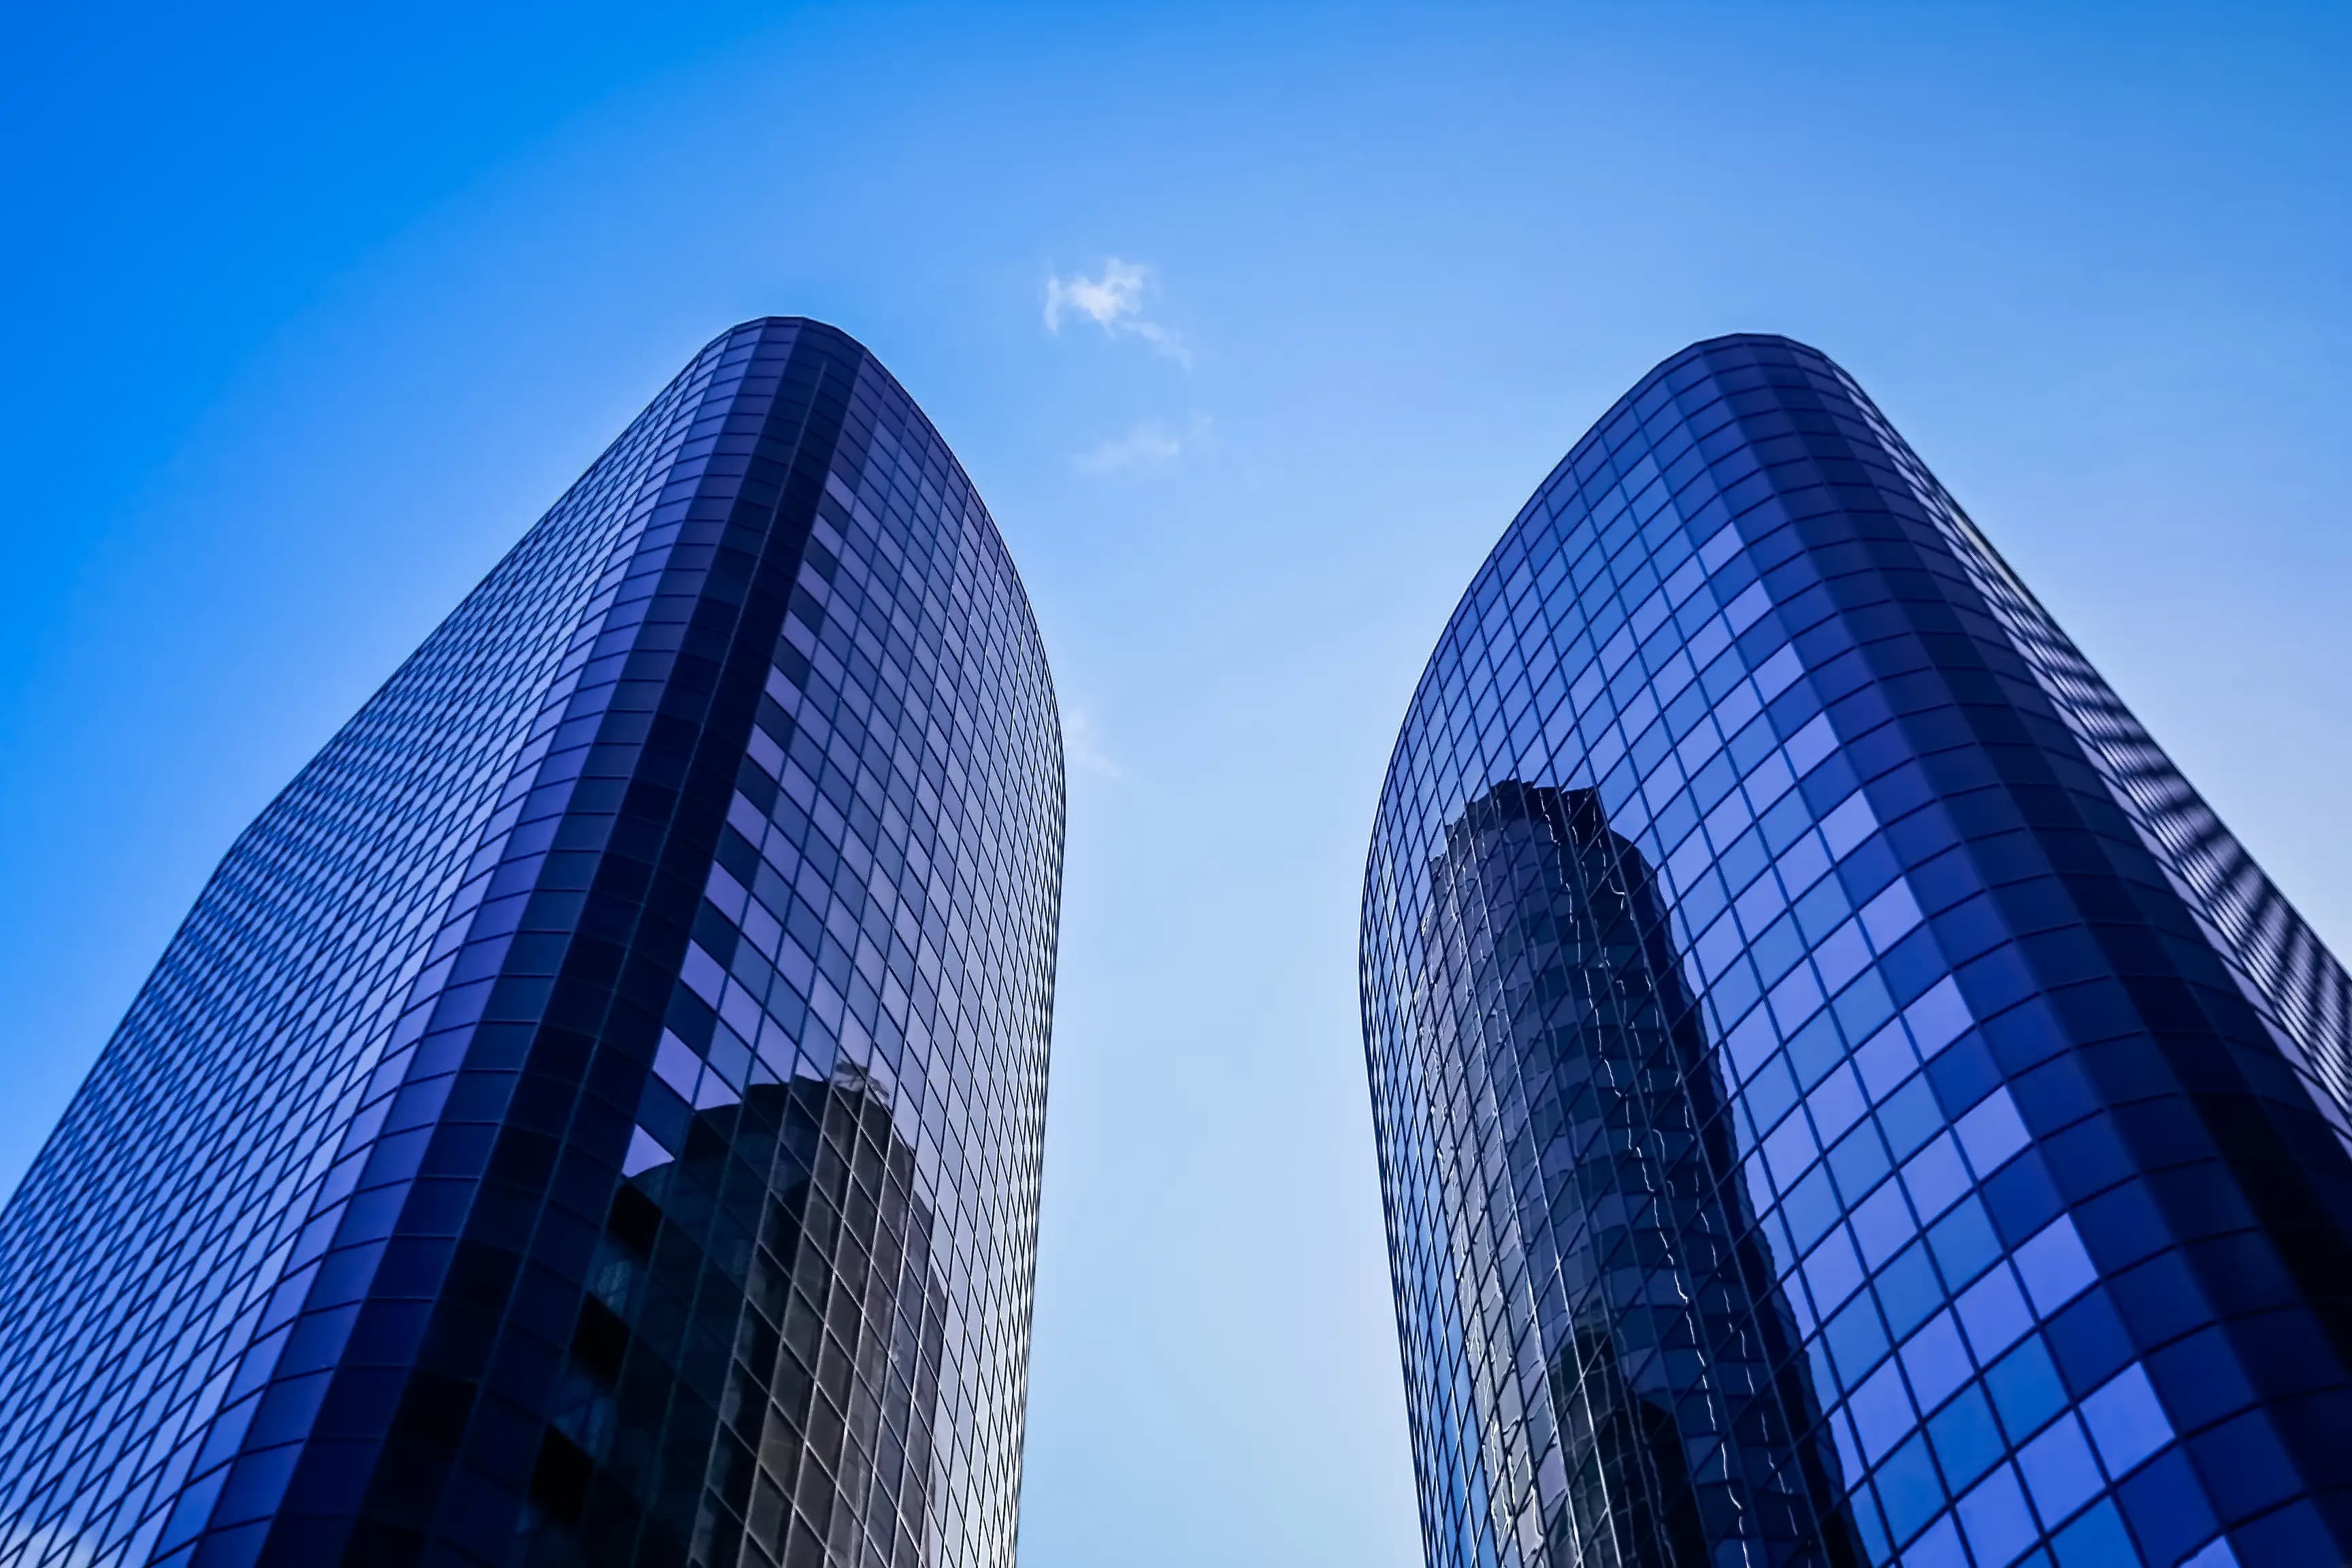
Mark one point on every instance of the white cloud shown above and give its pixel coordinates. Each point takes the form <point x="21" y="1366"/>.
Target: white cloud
<point x="1149" y="444"/>
<point x="1114" y="302"/>
<point x="1115" y="296"/>
<point x="1082" y="750"/>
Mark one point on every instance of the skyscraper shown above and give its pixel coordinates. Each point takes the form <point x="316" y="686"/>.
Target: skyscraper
<point x="1841" y="1096"/>
<point x="594" y="1114"/>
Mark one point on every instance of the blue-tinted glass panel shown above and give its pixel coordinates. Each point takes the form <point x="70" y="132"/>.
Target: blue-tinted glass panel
<point x="1841" y="1096"/>
<point x="594" y="1114"/>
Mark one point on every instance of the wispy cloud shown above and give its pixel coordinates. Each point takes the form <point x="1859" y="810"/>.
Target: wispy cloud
<point x="1149" y="444"/>
<point x="1114" y="302"/>
<point x="1082" y="750"/>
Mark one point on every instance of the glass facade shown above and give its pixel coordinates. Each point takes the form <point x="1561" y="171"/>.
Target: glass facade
<point x="594" y="1114"/>
<point x="1841" y="1098"/>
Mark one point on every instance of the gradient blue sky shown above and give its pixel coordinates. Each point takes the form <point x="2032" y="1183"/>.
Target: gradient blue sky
<point x="311" y="312"/>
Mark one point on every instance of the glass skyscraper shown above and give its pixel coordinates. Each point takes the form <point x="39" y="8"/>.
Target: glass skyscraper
<point x="1842" y="1097"/>
<point x="594" y="1114"/>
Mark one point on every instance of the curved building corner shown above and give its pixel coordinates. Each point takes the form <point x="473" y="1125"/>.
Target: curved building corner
<point x="593" y="1116"/>
<point x="1841" y="1096"/>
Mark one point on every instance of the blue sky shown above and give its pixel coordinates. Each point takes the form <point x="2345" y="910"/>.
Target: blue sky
<point x="1254" y="325"/>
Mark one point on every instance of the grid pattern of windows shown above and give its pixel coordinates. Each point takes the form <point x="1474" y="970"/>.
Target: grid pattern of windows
<point x="1840" y="1096"/>
<point x="594" y="1115"/>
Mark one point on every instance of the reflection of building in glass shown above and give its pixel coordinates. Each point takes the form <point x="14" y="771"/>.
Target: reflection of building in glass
<point x="1986" y="1066"/>
<point x="1658" y="1405"/>
<point x="593" y="1116"/>
<point x="680" y="1399"/>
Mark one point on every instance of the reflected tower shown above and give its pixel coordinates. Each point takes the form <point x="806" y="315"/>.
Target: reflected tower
<point x="593" y="1116"/>
<point x="1652" y="1391"/>
<point x="1841" y="1095"/>
<point x="678" y="1397"/>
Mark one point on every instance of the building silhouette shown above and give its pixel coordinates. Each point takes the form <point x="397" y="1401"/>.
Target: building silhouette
<point x="1841" y="1095"/>
<point x="593" y="1115"/>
